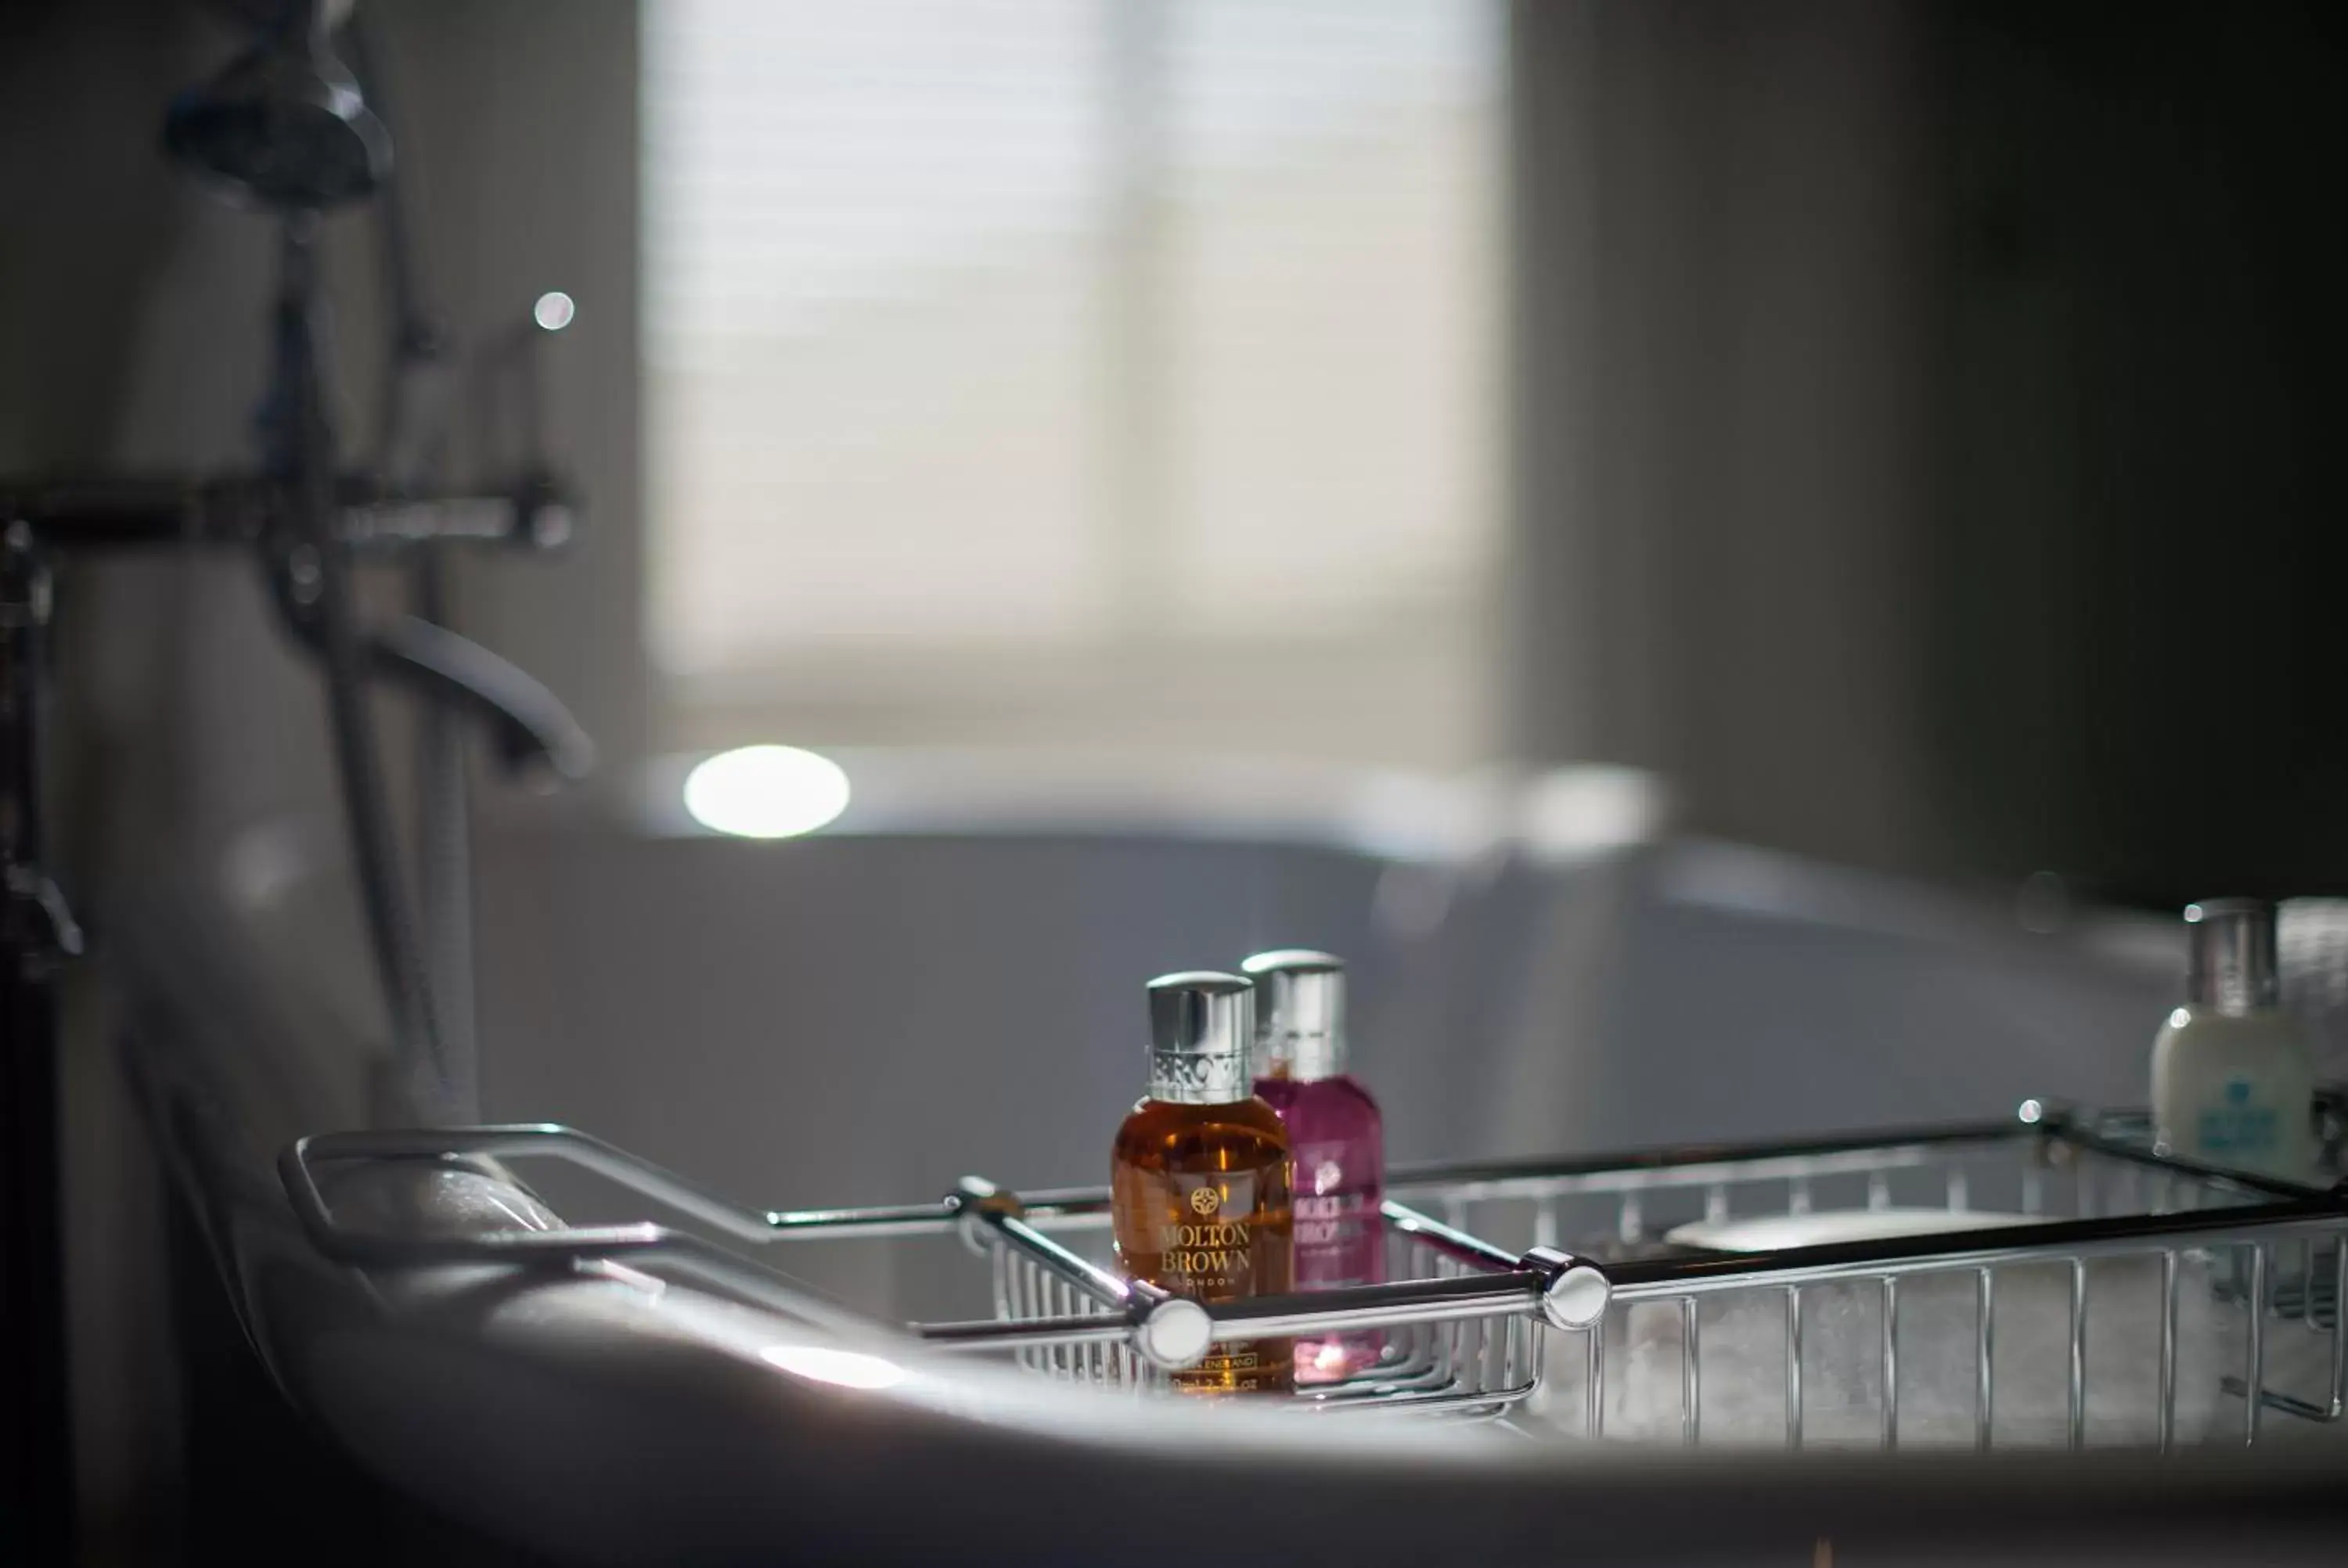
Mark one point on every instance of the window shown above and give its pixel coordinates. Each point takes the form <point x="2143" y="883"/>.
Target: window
<point x="1065" y="370"/>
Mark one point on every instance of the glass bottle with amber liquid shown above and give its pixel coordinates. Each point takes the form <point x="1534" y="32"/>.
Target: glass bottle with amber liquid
<point x="1200" y="1176"/>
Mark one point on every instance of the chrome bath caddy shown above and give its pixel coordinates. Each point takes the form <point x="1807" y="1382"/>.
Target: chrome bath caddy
<point x="2093" y="1293"/>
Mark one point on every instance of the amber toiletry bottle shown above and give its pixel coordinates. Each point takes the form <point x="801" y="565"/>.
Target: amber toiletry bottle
<point x="1200" y="1174"/>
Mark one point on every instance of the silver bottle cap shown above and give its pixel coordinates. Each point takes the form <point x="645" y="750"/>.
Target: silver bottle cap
<point x="1201" y="1038"/>
<point x="2232" y="967"/>
<point x="1304" y="1013"/>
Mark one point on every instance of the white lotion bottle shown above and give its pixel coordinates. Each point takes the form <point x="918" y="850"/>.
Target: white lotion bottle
<point x="2234" y="1077"/>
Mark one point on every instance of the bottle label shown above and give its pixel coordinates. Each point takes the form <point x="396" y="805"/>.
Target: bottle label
<point x="1340" y="1235"/>
<point x="1208" y="1254"/>
<point x="2238" y="1130"/>
<point x="1336" y="1241"/>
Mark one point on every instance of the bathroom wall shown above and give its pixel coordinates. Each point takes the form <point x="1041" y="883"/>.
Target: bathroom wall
<point x="1925" y="424"/>
<point x="1725" y="410"/>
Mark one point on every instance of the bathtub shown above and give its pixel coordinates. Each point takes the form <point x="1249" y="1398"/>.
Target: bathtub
<point x="949" y="982"/>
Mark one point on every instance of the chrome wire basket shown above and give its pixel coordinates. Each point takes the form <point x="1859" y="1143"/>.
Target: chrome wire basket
<point x="2049" y="1280"/>
<point x="1470" y="1352"/>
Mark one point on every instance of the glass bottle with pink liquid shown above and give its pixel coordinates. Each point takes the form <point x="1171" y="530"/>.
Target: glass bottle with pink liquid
<point x="1336" y="1137"/>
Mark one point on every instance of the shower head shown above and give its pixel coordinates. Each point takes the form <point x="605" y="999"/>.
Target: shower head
<point x="283" y="126"/>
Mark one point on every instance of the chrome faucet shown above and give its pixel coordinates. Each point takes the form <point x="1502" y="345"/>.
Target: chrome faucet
<point x="284" y="129"/>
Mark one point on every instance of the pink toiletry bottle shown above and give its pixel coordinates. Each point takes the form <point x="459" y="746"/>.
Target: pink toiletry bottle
<point x="1336" y="1136"/>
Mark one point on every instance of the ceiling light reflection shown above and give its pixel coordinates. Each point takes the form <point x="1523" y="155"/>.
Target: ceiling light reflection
<point x="766" y="792"/>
